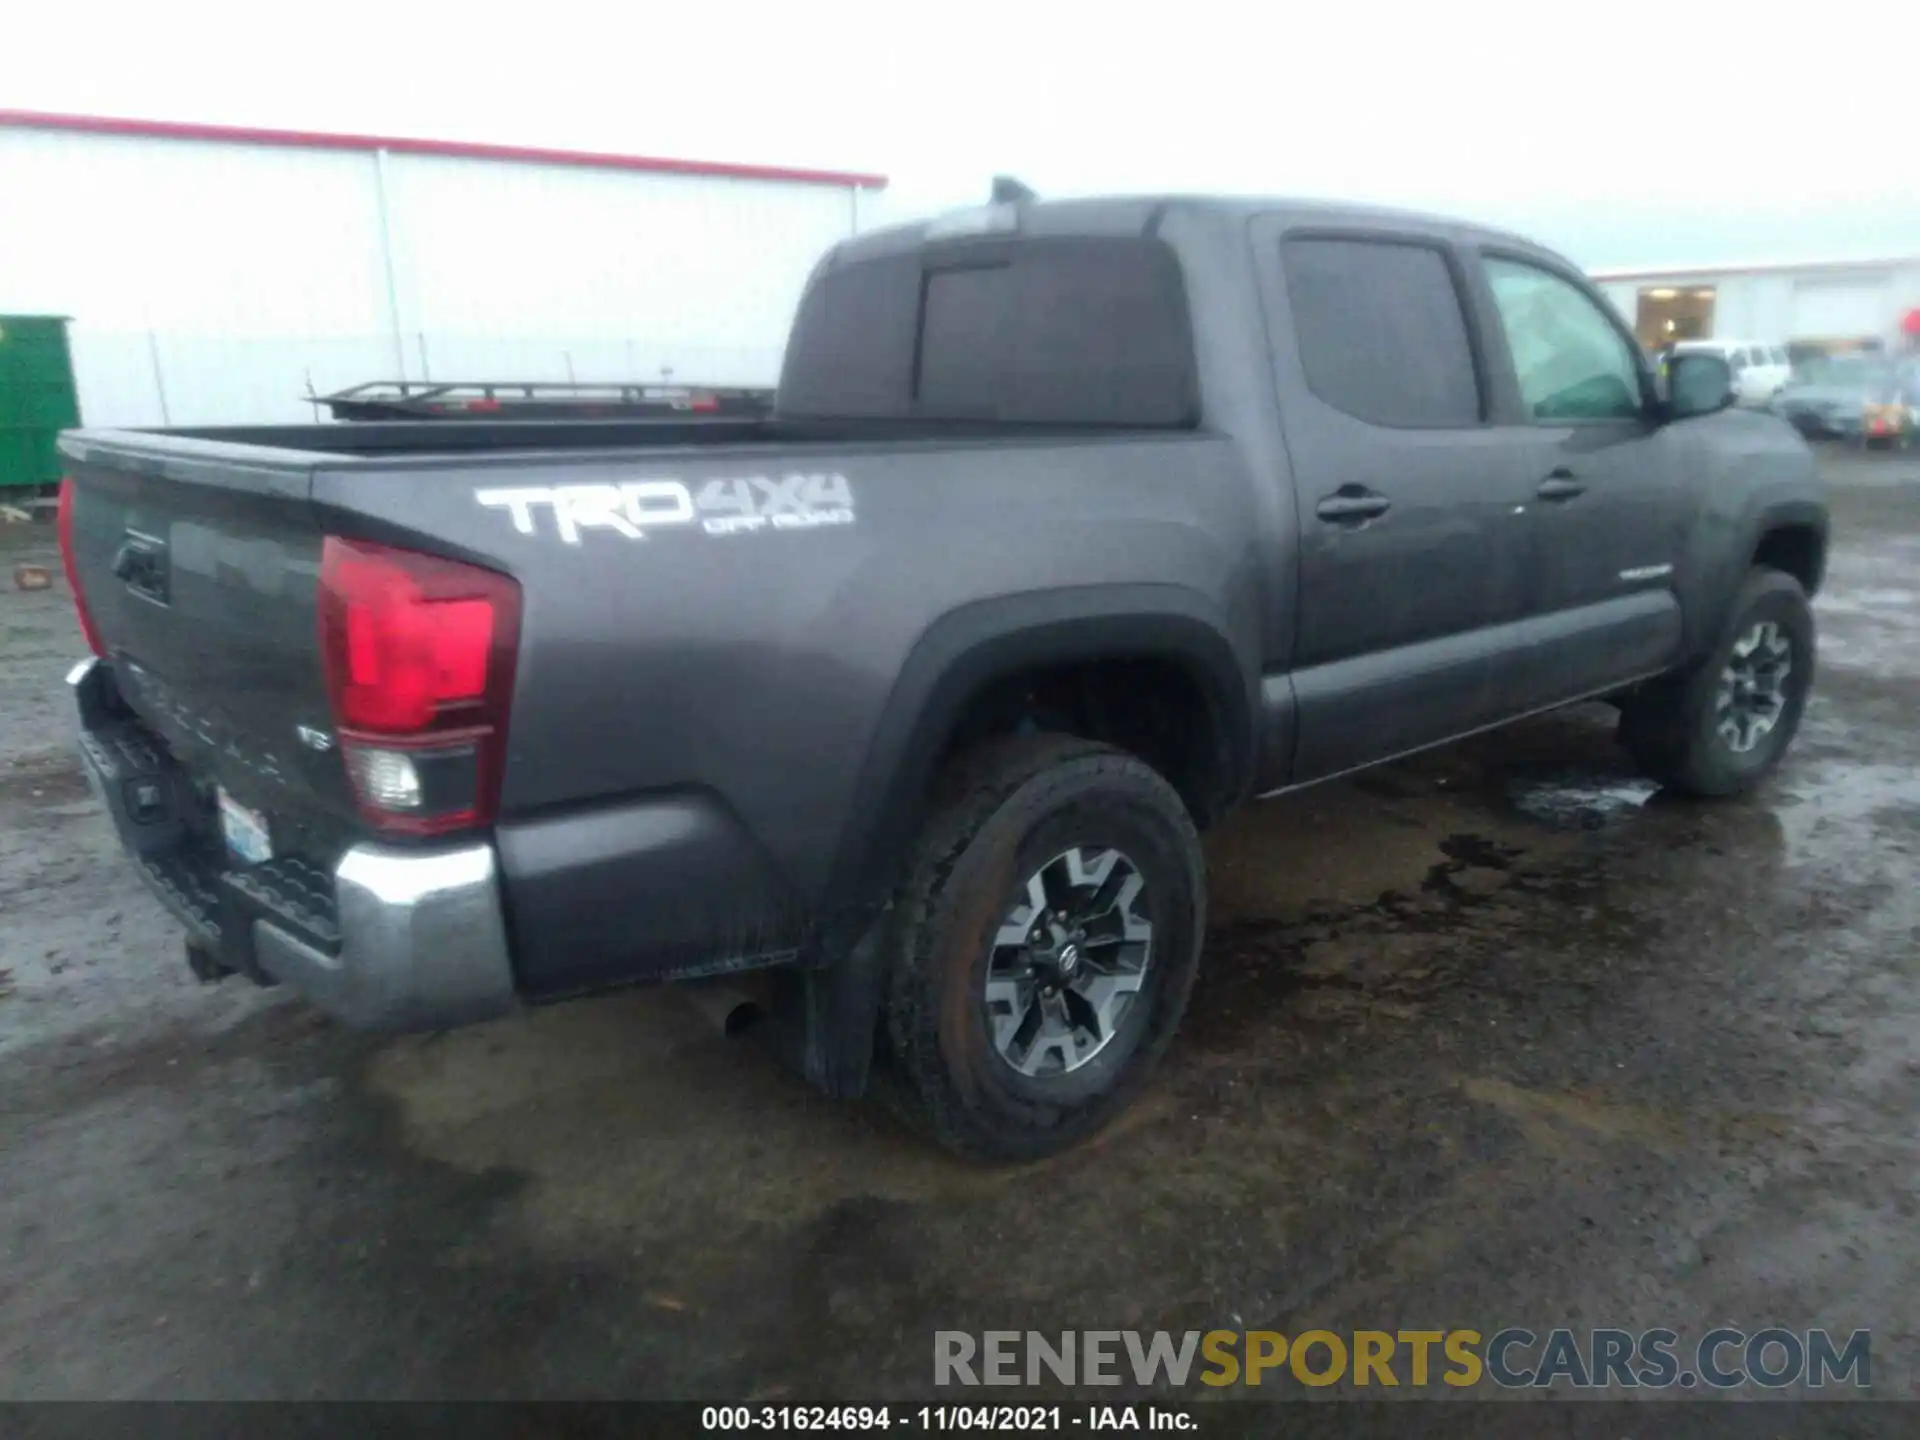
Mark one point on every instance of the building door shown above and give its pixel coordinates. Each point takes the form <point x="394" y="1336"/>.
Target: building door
<point x="1844" y="310"/>
<point x="1666" y="314"/>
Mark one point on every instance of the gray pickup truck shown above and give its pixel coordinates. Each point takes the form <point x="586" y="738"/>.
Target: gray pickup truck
<point x="1077" y="524"/>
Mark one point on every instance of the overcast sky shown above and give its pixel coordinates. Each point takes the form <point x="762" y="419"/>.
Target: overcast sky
<point x="1627" y="133"/>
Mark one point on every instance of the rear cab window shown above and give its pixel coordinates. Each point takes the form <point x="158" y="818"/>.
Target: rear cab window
<point x="1045" y="330"/>
<point x="1382" y="331"/>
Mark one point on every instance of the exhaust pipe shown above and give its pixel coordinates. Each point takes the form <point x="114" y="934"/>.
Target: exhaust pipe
<point x="206" y="966"/>
<point x="722" y="1004"/>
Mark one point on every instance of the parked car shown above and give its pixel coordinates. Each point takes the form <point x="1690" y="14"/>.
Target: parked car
<point x="1077" y="526"/>
<point x="1861" y="398"/>
<point x="1758" y="370"/>
<point x="1907" y="375"/>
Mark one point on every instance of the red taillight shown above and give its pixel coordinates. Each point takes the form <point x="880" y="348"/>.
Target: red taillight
<point x="419" y="655"/>
<point x="87" y="628"/>
<point x="409" y="641"/>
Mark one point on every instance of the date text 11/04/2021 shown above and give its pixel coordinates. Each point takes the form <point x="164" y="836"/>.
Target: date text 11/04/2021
<point x="939" y="1418"/>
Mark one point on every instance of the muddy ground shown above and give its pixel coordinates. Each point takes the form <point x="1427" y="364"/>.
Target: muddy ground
<point x="1494" y="1037"/>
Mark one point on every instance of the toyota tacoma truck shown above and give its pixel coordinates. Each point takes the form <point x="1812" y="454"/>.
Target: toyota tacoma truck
<point x="1075" y="526"/>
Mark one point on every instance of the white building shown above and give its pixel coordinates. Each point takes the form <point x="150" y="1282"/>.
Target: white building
<point x="1817" y="305"/>
<point x="220" y="275"/>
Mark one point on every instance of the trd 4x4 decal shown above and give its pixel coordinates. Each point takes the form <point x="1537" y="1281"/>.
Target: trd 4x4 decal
<point x="719" y="507"/>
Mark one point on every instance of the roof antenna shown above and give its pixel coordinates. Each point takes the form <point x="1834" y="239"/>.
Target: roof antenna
<point x="1009" y="191"/>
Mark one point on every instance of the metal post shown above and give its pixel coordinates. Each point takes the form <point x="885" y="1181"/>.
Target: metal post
<point x="159" y="377"/>
<point x="386" y="261"/>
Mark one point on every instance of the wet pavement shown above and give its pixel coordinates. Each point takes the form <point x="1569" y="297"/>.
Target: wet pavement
<point x="1498" y="1036"/>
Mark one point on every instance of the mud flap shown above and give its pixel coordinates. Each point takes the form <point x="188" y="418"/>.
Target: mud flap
<point x="825" y="1017"/>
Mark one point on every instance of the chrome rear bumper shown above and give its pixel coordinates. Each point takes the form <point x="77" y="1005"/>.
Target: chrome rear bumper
<point x="403" y="938"/>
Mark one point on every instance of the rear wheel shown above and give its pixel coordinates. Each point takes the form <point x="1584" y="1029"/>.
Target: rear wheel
<point x="1045" y="944"/>
<point x="1720" y="729"/>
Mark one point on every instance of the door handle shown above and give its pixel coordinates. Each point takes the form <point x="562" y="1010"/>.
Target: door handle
<point x="1560" y="485"/>
<point x="1353" y="509"/>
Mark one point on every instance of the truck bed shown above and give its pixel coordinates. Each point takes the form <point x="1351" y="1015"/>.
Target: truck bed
<point x="714" y="623"/>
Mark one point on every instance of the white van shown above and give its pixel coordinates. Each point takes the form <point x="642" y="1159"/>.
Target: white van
<point x="1758" y="370"/>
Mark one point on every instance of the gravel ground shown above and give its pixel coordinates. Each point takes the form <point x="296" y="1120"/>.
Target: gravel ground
<point x="1494" y="1037"/>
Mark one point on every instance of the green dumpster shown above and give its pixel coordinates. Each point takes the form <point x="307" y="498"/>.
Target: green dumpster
<point x="37" y="398"/>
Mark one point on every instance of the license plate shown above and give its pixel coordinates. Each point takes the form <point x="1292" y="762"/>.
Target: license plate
<point x="245" y="831"/>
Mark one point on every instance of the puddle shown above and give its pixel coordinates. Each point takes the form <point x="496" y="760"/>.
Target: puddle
<point x="1869" y="612"/>
<point x="1854" y="602"/>
<point x="1824" y="816"/>
<point x="1579" y="802"/>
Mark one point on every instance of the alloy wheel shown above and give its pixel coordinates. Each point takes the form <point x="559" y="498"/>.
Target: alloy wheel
<point x="1068" y="961"/>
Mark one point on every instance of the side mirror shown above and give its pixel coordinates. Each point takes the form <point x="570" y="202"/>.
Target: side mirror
<point x="1698" y="383"/>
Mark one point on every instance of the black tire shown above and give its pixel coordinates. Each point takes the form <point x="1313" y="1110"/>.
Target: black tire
<point x="1002" y="807"/>
<point x="1671" y="727"/>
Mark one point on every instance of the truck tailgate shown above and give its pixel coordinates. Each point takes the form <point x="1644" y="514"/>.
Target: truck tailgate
<point x="200" y="574"/>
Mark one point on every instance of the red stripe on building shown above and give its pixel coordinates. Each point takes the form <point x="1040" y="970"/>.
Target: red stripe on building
<point x="446" y="149"/>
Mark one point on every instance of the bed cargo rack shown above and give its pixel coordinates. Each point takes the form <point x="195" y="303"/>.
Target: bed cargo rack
<point x="540" y="400"/>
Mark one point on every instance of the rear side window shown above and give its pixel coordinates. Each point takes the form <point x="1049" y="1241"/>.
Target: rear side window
<point x="1381" y="331"/>
<point x="1050" y="331"/>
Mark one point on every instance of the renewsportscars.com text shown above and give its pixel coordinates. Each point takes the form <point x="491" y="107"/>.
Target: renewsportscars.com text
<point x="1512" y="1358"/>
